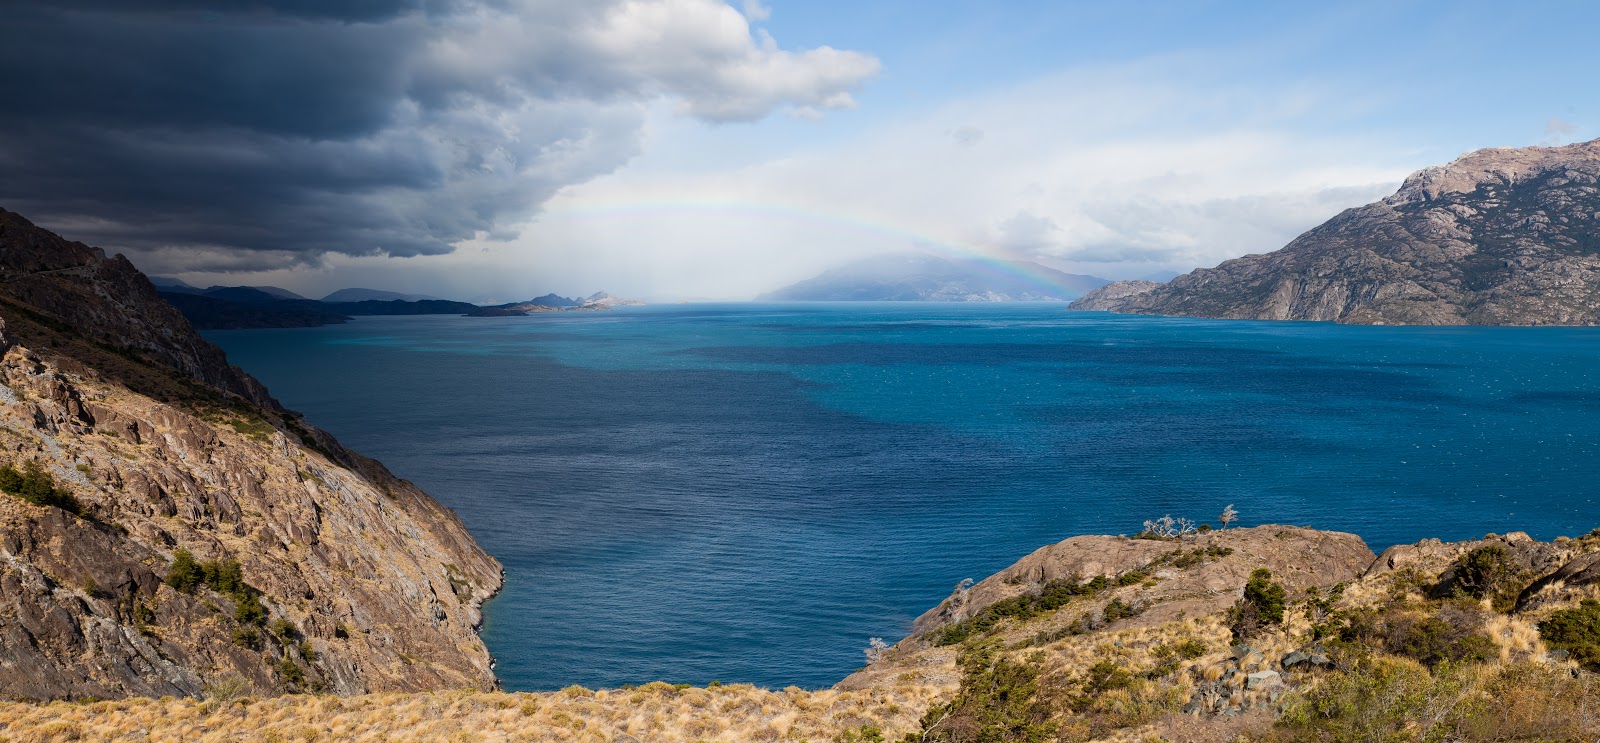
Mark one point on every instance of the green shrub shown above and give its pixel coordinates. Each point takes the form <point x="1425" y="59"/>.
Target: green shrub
<point x="1488" y="572"/>
<point x="291" y="673"/>
<point x="307" y="652"/>
<point x="1102" y="677"/>
<point x="185" y="574"/>
<point x="867" y="733"/>
<point x="1262" y="605"/>
<point x="245" y="637"/>
<point x="224" y="576"/>
<point x="1431" y="641"/>
<point x="248" y="609"/>
<point x="282" y="628"/>
<point x="1268" y="597"/>
<point x="34" y="485"/>
<point x="1116" y="610"/>
<point x="1576" y="631"/>
<point x="999" y="700"/>
<point x="1054" y="595"/>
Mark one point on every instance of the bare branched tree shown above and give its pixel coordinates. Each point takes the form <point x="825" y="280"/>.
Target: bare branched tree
<point x="1168" y="527"/>
<point x="1228" y="516"/>
<point x="876" y="648"/>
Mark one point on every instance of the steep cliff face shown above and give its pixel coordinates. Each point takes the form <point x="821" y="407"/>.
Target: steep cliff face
<point x="1498" y="237"/>
<point x="352" y="579"/>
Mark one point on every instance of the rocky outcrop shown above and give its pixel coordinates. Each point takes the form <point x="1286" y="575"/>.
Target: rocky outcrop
<point x="1112" y="296"/>
<point x="1163" y="581"/>
<point x="1498" y="237"/>
<point x="364" y="583"/>
<point x="1299" y="557"/>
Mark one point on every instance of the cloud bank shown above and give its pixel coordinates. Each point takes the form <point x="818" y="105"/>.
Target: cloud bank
<point x="1118" y="172"/>
<point x="271" y="133"/>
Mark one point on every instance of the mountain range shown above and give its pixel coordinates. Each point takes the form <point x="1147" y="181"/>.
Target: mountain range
<point x="555" y="303"/>
<point x="919" y="277"/>
<point x="1500" y="236"/>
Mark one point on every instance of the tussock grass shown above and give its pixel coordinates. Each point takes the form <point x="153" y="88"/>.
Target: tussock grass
<point x="654" y="712"/>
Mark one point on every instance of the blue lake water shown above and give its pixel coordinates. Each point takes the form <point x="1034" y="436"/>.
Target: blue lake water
<point x="747" y="493"/>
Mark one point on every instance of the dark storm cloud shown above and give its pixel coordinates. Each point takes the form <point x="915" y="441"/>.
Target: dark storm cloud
<point x="344" y="10"/>
<point x="243" y="135"/>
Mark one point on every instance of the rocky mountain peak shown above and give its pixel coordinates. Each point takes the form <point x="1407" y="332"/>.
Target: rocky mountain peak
<point x="1497" y="237"/>
<point x="1496" y="167"/>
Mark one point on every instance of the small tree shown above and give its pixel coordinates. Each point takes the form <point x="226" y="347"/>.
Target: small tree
<point x="1167" y="527"/>
<point x="1228" y="516"/>
<point x="876" y="648"/>
<point x="185" y="573"/>
<point x="1262" y="604"/>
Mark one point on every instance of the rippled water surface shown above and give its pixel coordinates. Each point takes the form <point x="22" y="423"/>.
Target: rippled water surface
<point x="749" y="492"/>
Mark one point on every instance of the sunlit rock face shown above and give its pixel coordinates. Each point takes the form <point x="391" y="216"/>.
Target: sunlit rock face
<point x="1498" y="237"/>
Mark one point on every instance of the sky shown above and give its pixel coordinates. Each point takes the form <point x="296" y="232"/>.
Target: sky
<point x="496" y="150"/>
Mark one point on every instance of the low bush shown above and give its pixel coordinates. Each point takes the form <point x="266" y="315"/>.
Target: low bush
<point x="1054" y="595"/>
<point x="1116" y="610"/>
<point x="1397" y="699"/>
<point x="246" y="637"/>
<point x="1262" y="605"/>
<point x="223" y="576"/>
<point x="1429" y="633"/>
<point x="34" y="485"/>
<point x="1488" y="572"/>
<point x="1431" y="640"/>
<point x="1576" y="631"/>
<point x="291" y="673"/>
<point x="282" y="628"/>
<point x="247" y="609"/>
<point x="999" y="700"/>
<point x="184" y="574"/>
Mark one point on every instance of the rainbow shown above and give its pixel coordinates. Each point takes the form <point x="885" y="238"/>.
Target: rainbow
<point x="982" y="258"/>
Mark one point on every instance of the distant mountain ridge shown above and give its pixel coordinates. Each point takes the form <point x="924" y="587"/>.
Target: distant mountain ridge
<point x="555" y="303"/>
<point x="918" y="277"/>
<point x="1498" y="237"/>
<point x="378" y="295"/>
<point x="239" y="307"/>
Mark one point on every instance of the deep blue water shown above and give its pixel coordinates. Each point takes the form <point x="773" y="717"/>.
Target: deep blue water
<point x="749" y="492"/>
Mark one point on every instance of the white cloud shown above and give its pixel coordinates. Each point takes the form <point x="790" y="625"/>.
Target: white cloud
<point x="756" y="11"/>
<point x="702" y="53"/>
<point x="1558" y="131"/>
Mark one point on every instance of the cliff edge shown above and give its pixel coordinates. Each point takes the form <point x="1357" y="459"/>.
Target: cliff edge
<point x="169" y="529"/>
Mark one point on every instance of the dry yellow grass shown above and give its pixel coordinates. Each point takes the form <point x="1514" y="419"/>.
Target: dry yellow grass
<point x="651" y="713"/>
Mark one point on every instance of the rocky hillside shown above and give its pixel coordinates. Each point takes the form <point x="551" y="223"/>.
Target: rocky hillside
<point x="166" y="528"/>
<point x="1498" y="237"/>
<point x="1272" y="633"/>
